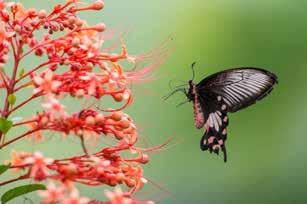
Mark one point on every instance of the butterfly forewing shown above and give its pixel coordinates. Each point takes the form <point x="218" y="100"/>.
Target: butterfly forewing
<point x="239" y="87"/>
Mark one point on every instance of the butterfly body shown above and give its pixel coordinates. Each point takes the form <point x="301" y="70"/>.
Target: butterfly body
<point x="199" y="119"/>
<point x="226" y="91"/>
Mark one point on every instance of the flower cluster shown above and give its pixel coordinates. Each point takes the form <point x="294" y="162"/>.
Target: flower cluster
<point x="73" y="63"/>
<point x="106" y="167"/>
<point x="88" y="123"/>
<point x="68" y="195"/>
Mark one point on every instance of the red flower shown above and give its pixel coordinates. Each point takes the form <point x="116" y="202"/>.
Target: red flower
<point x="72" y="63"/>
<point x="39" y="169"/>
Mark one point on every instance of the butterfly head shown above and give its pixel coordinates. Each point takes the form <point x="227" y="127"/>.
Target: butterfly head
<point x="190" y="93"/>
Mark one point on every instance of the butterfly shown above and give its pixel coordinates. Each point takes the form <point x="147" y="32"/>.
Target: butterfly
<point x="221" y="93"/>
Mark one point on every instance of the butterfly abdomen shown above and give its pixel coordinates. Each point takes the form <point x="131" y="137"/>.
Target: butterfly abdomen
<point x="199" y="119"/>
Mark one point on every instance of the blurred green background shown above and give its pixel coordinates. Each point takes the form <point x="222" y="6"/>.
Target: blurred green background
<point x="266" y="142"/>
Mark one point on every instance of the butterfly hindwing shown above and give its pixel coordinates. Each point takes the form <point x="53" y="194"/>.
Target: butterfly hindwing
<point x="215" y="126"/>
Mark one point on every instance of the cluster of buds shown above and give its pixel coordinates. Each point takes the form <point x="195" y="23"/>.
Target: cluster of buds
<point x="106" y="167"/>
<point x="88" y="123"/>
<point x="73" y="63"/>
<point x="81" y="83"/>
<point x="66" y="194"/>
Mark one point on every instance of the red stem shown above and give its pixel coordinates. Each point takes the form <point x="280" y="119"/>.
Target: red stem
<point x="33" y="70"/>
<point x="24" y="122"/>
<point x="23" y="86"/>
<point x="25" y="102"/>
<point x="35" y="47"/>
<point x="26" y="176"/>
<point x="3" y="79"/>
<point x="18" y="138"/>
<point x="10" y="88"/>
<point x="14" y="49"/>
<point x="83" y="145"/>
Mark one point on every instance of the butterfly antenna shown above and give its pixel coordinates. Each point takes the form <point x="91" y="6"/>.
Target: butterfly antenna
<point x="173" y="92"/>
<point x="170" y="84"/>
<point x="177" y="86"/>
<point x="193" y="70"/>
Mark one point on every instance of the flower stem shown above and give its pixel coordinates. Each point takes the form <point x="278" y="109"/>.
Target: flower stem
<point x="18" y="138"/>
<point x="24" y="122"/>
<point x="33" y="70"/>
<point x="26" y="176"/>
<point x="11" y="84"/>
<point x="24" y="102"/>
<point x="83" y="145"/>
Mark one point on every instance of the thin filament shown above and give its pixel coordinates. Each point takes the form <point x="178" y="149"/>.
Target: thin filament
<point x="173" y="92"/>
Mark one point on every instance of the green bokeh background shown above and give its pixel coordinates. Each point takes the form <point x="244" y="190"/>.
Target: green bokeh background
<point x="266" y="143"/>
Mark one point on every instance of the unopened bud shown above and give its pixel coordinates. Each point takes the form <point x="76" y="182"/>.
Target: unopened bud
<point x="42" y="14"/>
<point x="75" y="42"/>
<point x="99" y="118"/>
<point x="79" y="93"/>
<point x="124" y="124"/>
<point x="100" y="27"/>
<point x="90" y="120"/>
<point x="117" y="116"/>
<point x="97" y="5"/>
<point x="118" y="97"/>
<point x="17" y="28"/>
<point x="145" y="159"/>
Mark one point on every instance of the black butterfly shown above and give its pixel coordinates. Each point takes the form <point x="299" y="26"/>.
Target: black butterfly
<point x="226" y="91"/>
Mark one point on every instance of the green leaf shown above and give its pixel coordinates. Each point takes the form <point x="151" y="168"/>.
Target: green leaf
<point x="5" y="125"/>
<point x="12" y="99"/>
<point x="21" y="72"/>
<point x="20" y="190"/>
<point x="4" y="168"/>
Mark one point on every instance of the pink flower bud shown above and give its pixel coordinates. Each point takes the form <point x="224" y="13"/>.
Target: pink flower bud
<point x="100" y="27"/>
<point x="99" y="118"/>
<point x="42" y="14"/>
<point x="90" y="120"/>
<point x="98" y="5"/>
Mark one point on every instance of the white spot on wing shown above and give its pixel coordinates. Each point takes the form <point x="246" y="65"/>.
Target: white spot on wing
<point x="210" y="121"/>
<point x="216" y="123"/>
<point x="218" y="118"/>
<point x="213" y="119"/>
